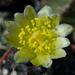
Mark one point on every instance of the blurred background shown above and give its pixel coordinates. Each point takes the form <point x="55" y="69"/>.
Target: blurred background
<point x="65" y="8"/>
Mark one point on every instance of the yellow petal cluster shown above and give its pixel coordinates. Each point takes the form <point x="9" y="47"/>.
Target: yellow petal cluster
<point x="38" y="37"/>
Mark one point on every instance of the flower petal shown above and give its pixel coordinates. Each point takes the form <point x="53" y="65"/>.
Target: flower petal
<point x="29" y="12"/>
<point x="45" y="11"/>
<point x="61" y="42"/>
<point x="64" y="29"/>
<point x="23" y="56"/>
<point x="21" y="20"/>
<point x="12" y="27"/>
<point x="58" y="53"/>
<point x="55" y="20"/>
<point x="12" y="40"/>
<point x="42" y="59"/>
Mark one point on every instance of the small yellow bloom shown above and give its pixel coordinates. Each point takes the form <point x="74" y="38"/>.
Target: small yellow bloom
<point x="39" y="37"/>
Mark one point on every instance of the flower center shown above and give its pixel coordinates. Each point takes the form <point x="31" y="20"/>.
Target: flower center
<point x="38" y="37"/>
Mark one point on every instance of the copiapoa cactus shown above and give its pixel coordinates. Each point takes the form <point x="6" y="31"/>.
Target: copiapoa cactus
<point x="38" y="36"/>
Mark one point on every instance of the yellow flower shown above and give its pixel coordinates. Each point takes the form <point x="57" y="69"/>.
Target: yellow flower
<point x="39" y="37"/>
